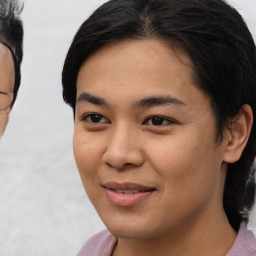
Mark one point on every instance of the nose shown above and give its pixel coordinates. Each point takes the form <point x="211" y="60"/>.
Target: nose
<point x="123" y="150"/>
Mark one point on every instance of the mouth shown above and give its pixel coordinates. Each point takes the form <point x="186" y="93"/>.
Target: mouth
<point x="128" y="191"/>
<point x="127" y="194"/>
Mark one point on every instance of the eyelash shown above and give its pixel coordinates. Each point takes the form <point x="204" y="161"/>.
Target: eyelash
<point x="162" y="121"/>
<point x="91" y="115"/>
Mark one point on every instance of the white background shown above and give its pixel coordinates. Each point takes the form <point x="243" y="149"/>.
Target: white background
<point x="43" y="207"/>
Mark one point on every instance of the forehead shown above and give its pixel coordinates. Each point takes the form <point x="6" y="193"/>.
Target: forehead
<point x="155" y="50"/>
<point x="135" y="59"/>
<point x="146" y="65"/>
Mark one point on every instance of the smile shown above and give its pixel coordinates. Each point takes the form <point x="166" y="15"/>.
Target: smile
<point x="126" y="191"/>
<point x="127" y="194"/>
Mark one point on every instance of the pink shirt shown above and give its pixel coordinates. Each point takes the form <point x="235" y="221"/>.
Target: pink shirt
<point x="103" y="243"/>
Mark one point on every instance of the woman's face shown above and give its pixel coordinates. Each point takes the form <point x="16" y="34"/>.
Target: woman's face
<point x="145" y="140"/>
<point x="6" y="85"/>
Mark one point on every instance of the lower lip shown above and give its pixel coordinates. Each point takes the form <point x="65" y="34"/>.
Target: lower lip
<point x="126" y="200"/>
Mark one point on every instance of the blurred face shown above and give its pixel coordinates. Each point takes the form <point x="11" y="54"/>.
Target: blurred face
<point x="6" y="85"/>
<point x="145" y="141"/>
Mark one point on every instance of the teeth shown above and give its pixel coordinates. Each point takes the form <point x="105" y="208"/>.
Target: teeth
<point x="127" y="191"/>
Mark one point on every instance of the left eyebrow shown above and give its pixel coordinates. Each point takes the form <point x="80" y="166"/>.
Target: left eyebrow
<point x="3" y="93"/>
<point x="159" y="100"/>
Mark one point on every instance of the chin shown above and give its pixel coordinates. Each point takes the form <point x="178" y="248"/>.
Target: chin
<point x="129" y="229"/>
<point x="131" y="233"/>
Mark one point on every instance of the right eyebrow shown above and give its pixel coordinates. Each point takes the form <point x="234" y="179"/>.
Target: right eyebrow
<point x="92" y="99"/>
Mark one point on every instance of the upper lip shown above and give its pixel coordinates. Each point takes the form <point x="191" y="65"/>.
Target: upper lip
<point x="127" y="186"/>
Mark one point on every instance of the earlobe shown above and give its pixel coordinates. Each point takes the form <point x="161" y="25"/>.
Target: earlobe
<point x="238" y="134"/>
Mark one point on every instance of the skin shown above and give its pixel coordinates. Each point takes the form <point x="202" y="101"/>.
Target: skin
<point x="6" y="85"/>
<point x="179" y="157"/>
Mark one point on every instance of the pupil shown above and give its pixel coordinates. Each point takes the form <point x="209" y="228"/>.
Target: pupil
<point x="157" y="120"/>
<point x="95" y="118"/>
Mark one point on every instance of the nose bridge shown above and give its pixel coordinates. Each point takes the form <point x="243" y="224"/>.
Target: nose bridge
<point x="123" y="148"/>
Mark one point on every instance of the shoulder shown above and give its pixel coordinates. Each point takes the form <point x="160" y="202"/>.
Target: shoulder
<point x="245" y="243"/>
<point x="100" y="244"/>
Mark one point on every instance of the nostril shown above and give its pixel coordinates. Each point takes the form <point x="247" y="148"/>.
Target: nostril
<point x="121" y="153"/>
<point x="120" y="166"/>
<point x="128" y="165"/>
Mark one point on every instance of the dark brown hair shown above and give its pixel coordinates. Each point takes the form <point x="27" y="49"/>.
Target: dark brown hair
<point x="223" y="53"/>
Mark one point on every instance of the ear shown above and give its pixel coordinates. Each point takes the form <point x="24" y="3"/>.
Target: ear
<point x="238" y="134"/>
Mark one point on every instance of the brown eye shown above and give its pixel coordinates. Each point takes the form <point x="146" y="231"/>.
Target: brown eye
<point x="95" y="118"/>
<point x="158" y="121"/>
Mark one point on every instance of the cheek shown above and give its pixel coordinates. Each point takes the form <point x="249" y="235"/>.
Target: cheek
<point x="186" y="164"/>
<point x="86" y="160"/>
<point x="174" y="154"/>
<point x="189" y="178"/>
<point x="86" y="152"/>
